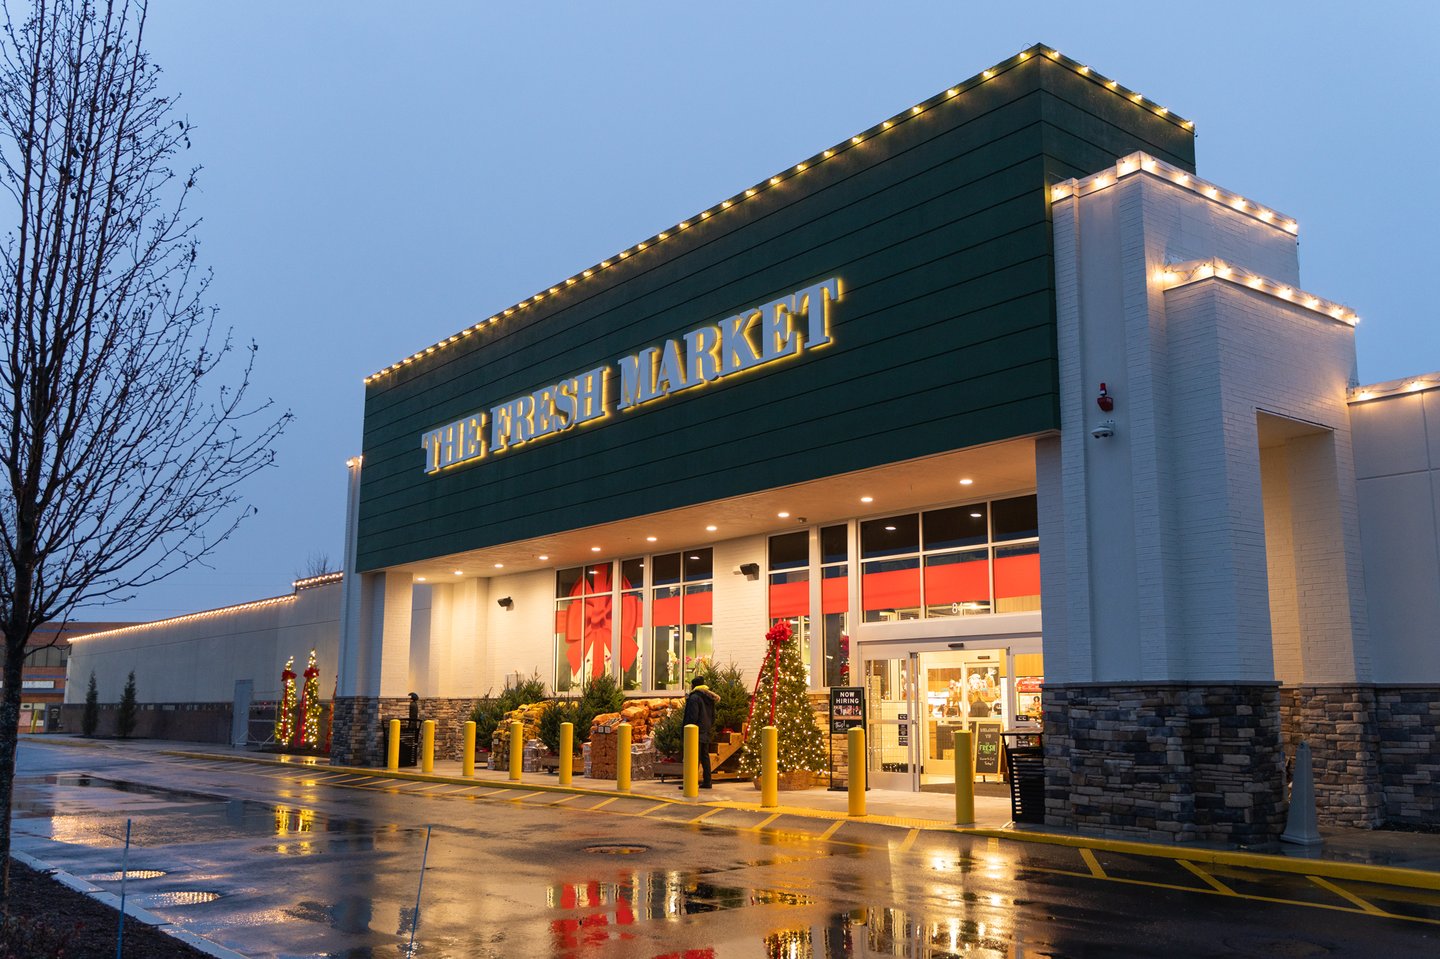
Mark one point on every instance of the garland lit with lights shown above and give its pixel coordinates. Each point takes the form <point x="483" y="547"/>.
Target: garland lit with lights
<point x="782" y="699"/>
<point x="310" y="705"/>
<point x="285" y="719"/>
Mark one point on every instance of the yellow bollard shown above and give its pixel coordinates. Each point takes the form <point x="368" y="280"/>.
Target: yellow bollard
<point x="392" y="751"/>
<point x="427" y="746"/>
<point x="690" y="761"/>
<point x="856" y="762"/>
<point x="567" y="752"/>
<point x="517" y="749"/>
<point x="467" y="751"/>
<point x="964" y="779"/>
<point x="622" y="758"/>
<point x="769" y="767"/>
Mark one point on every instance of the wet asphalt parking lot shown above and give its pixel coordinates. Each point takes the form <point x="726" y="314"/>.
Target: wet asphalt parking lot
<point x="290" y="861"/>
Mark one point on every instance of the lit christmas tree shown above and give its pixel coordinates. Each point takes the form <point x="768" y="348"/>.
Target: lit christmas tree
<point x="781" y="699"/>
<point x="310" y="705"/>
<point x="285" y="719"/>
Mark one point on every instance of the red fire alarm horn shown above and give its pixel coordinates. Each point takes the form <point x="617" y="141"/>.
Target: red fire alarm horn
<point x="1105" y="401"/>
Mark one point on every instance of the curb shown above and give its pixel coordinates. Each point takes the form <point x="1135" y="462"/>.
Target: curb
<point x="133" y="911"/>
<point x="1325" y="868"/>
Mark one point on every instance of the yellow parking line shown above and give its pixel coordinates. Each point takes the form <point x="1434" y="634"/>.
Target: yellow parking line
<point x="658" y="805"/>
<point x="527" y="796"/>
<point x="909" y="840"/>
<point x="834" y="828"/>
<point x="1208" y="879"/>
<point x="765" y="822"/>
<point x="707" y="814"/>
<point x="1093" y="863"/>
<point x="1371" y="908"/>
<point x="605" y="802"/>
<point x="565" y="799"/>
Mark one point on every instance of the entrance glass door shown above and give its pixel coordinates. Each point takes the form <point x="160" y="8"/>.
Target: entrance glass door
<point x="959" y="690"/>
<point x="917" y="700"/>
<point x="890" y="696"/>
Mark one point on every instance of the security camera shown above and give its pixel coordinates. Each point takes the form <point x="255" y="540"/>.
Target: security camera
<point x="1104" y="431"/>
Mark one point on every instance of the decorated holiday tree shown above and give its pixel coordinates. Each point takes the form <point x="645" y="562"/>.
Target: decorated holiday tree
<point x="781" y="700"/>
<point x="285" y="718"/>
<point x="310" y="705"/>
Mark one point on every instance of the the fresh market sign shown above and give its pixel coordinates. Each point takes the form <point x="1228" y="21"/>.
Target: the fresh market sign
<point x="756" y="336"/>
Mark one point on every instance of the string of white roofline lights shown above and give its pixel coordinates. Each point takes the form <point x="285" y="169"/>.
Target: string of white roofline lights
<point x="324" y="579"/>
<point x="798" y="169"/>
<point x="1180" y="274"/>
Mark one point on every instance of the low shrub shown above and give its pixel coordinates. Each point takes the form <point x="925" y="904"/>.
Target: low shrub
<point x="489" y="710"/>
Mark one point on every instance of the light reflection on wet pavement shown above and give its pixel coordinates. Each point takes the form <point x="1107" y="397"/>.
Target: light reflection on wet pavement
<point x="273" y="862"/>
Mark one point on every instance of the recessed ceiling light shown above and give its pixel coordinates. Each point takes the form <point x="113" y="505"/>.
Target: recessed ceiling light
<point x="649" y="539"/>
<point x="867" y="499"/>
<point x="542" y="557"/>
<point x="711" y="529"/>
<point x="594" y="549"/>
<point x="966" y="482"/>
<point x="499" y="565"/>
<point x="783" y="515"/>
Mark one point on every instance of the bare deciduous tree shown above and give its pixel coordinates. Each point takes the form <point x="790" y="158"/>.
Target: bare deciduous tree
<point x="125" y="428"/>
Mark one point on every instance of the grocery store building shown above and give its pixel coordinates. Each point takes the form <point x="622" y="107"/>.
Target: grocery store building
<point x="1011" y="414"/>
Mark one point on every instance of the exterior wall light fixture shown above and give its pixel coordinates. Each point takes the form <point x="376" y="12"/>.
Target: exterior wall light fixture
<point x="505" y="602"/>
<point x="750" y="571"/>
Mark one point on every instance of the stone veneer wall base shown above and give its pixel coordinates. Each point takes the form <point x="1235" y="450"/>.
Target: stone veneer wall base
<point x="1171" y="761"/>
<point x="358" y="738"/>
<point x="1376" y="751"/>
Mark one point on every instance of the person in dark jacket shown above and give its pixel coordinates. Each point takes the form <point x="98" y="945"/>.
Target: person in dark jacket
<point x="700" y="710"/>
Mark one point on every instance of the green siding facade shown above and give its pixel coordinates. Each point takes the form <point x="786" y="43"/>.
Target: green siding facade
<point x="944" y="337"/>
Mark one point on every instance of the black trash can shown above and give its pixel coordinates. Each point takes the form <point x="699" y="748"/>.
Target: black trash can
<point x="409" y="742"/>
<point x="1025" y="762"/>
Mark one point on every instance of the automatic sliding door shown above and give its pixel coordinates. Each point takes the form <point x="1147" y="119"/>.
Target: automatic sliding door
<point x="890" y="741"/>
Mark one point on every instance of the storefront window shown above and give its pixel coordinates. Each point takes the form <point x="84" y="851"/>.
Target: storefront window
<point x="632" y="602"/>
<point x="790" y="587"/>
<point x="835" y="603"/>
<point x="584" y="607"/>
<point x="681" y="616"/>
<point x="940" y="563"/>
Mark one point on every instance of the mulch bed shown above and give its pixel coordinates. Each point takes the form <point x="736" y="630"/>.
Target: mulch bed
<point x="50" y="912"/>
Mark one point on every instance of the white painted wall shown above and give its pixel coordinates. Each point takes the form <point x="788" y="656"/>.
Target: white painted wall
<point x="1397" y="465"/>
<point x="198" y="659"/>
<point x="1153" y="557"/>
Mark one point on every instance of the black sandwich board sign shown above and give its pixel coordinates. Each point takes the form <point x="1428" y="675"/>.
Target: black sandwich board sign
<point x="987" y="749"/>
<point x="847" y="710"/>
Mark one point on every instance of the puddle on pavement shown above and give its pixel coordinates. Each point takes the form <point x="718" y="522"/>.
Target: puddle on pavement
<point x="207" y="817"/>
<point x="178" y="897"/>
<point x="889" y="932"/>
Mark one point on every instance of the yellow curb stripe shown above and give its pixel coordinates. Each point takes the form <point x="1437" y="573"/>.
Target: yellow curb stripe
<point x="765" y="822"/>
<point x="1355" y="872"/>
<point x="909" y="840"/>
<point x="1349" y="896"/>
<point x="1208" y="879"/>
<point x="834" y="828"/>
<point x="1095" y="868"/>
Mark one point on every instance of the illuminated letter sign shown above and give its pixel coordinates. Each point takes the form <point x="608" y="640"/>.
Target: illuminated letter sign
<point x="754" y="337"/>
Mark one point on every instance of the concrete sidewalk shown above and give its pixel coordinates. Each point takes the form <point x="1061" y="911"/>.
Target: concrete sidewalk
<point x="1396" y="858"/>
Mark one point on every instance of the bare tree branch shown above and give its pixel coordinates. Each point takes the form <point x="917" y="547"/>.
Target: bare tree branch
<point x="126" y="427"/>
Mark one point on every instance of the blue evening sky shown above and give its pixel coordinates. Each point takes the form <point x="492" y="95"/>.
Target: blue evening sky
<point x="380" y="175"/>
